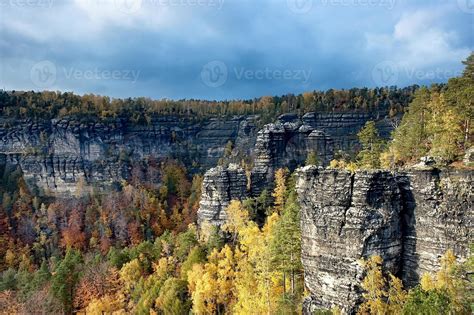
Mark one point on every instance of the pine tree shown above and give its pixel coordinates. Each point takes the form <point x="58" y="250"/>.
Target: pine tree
<point x="65" y="278"/>
<point x="410" y="139"/>
<point x="286" y="244"/>
<point x="372" y="146"/>
<point x="173" y="297"/>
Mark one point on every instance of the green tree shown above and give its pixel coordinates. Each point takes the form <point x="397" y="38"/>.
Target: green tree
<point x="65" y="279"/>
<point x="174" y="297"/>
<point x="410" y="139"/>
<point x="427" y="302"/>
<point x="286" y="243"/>
<point x="372" y="146"/>
<point x="445" y="130"/>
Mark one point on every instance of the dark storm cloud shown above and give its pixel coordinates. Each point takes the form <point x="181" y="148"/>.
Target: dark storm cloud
<point x="217" y="49"/>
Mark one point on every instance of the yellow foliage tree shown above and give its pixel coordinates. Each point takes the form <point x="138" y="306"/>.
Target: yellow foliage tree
<point x="258" y="284"/>
<point x="374" y="285"/>
<point x="109" y="304"/>
<point x="212" y="284"/>
<point x="237" y="218"/>
<point x="279" y="193"/>
<point x="396" y="296"/>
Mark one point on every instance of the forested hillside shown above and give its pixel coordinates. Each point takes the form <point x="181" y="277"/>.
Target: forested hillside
<point x="48" y="105"/>
<point x="137" y="248"/>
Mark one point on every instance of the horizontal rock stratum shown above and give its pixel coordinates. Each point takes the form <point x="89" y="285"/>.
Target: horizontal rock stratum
<point x="409" y="219"/>
<point x="54" y="155"/>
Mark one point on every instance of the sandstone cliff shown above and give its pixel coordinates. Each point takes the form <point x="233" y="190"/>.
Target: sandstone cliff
<point x="408" y="219"/>
<point x="55" y="155"/>
<point x="220" y="186"/>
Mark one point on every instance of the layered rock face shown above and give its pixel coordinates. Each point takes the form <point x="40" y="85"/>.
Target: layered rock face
<point x="438" y="215"/>
<point x="54" y="155"/>
<point x="343" y="127"/>
<point x="410" y="220"/>
<point x="344" y="218"/>
<point x="220" y="186"/>
<point x="286" y="144"/>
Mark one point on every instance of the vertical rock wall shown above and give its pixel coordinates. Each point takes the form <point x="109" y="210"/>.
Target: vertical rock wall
<point x="220" y="186"/>
<point x="409" y="219"/>
<point x="344" y="218"/>
<point x="438" y="215"/>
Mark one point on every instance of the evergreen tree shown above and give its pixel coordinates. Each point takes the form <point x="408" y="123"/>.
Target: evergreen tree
<point x="286" y="244"/>
<point x="372" y="146"/>
<point x="410" y="139"/>
<point x="65" y="279"/>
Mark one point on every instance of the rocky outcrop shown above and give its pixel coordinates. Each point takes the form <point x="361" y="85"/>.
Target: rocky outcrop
<point x="343" y="127"/>
<point x="438" y="215"/>
<point x="286" y="144"/>
<point x="54" y="155"/>
<point x="344" y="218"/>
<point x="220" y="186"/>
<point x="409" y="219"/>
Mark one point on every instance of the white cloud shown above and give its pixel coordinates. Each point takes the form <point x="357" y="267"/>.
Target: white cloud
<point x="419" y="40"/>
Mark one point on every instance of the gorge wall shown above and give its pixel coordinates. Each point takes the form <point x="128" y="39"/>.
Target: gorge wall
<point x="409" y="219"/>
<point x="55" y="155"/>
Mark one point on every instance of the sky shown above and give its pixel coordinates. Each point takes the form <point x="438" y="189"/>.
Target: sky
<point x="230" y="49"/>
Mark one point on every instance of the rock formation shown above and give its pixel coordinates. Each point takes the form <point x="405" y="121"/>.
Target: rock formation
<point x="438" y="215"/>
<point x="286" y="145"/>
<point x="219" y="187"/>
<point x="54" y="155"/>
<point x="409" y="219"/>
